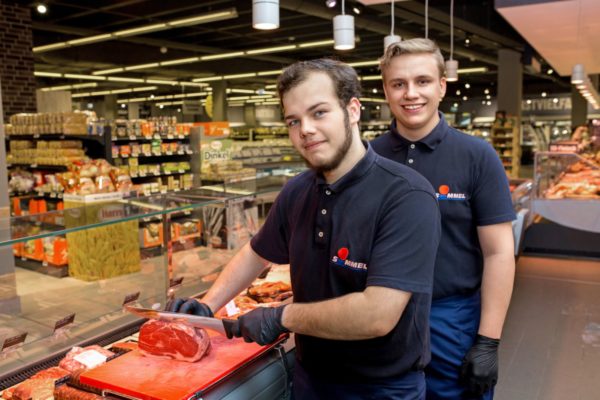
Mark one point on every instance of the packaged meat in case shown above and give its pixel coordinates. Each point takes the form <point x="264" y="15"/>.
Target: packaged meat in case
<point x="83" y="358"/>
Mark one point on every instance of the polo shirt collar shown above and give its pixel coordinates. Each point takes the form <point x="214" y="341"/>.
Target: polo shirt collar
<point x="356" y="173"/>
<point x="431" y="140"/>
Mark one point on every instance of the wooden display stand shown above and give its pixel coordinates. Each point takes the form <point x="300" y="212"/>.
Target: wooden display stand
<point x="102" y="252"/>
<point x="506" y="139"/>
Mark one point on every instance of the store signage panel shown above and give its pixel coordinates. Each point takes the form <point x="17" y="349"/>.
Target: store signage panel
<point x="565" y="147"/>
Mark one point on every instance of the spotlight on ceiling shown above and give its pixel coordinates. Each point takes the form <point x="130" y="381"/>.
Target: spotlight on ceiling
<point x="41" y="8"/>
<point x="357" y="8"/>
<point x="330" y="3"/>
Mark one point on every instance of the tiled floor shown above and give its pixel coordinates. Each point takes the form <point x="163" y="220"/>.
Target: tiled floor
<point x="551" y="343"/>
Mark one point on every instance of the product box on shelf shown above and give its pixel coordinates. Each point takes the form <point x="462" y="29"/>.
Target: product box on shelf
<point x="105" y="251"/>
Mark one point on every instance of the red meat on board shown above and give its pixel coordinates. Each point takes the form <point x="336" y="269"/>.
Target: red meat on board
<point x="175" y="340"/>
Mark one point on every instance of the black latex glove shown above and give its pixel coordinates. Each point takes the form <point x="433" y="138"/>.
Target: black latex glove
<point x="479" y="370"/>
<point x="261" y="325"/>
<point x="189" y="306"/>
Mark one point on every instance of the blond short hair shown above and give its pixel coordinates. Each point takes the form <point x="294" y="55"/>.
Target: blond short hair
<point x="412" y="46"/>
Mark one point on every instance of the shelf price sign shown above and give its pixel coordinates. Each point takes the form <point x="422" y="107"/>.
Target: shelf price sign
<point x="62" y="323"/>
<point x="131" y="298"/>
<point x="13" y="341"/>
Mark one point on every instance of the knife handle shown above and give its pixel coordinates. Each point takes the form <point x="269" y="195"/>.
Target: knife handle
<point x="232" y="328"/>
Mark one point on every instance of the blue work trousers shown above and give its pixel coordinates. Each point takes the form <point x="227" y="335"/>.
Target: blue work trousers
<point x="454" y="323"/>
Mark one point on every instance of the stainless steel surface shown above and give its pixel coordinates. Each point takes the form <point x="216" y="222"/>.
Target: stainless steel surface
<point x="194" y="320"/>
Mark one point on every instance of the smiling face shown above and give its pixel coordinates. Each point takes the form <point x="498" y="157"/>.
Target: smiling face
<point x="413" y="88"/>
<point x="324" y="133"/>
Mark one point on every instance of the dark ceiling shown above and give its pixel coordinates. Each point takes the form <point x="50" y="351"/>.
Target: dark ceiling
<point x="300" y="21"/>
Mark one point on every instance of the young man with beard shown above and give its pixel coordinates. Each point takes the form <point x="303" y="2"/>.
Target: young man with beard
<point x="360" y="233"/>
<point x="475" y="264"/>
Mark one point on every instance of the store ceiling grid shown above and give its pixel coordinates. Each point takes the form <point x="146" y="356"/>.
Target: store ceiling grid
<point x="184" y="53"/>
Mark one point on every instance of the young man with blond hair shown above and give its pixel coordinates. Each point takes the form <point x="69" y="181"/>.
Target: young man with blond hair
<point x="475" y="264"/>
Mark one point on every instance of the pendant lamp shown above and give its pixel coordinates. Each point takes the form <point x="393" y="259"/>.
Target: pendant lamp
<point x="451" y="65"/>
<point x="265" y="14"/>
<point x="343" y="31"/>
<point x="391" y="38"/>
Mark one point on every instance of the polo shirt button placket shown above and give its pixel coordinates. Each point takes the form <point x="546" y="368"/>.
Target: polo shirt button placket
<point x="410" y="161"/>
<point x="328" y="192"/>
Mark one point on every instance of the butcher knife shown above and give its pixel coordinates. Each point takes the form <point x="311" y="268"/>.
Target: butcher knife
<point x="215" y="324"/>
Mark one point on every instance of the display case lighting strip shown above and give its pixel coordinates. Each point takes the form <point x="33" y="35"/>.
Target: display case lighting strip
<point x="195" y="20"/>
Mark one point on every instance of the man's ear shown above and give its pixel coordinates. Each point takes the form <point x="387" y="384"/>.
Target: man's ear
<point x="443" y="87"/>
<point x="353" y="108"/>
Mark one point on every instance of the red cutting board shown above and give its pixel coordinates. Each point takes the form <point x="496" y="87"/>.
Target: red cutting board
<point x="151" y="378"/>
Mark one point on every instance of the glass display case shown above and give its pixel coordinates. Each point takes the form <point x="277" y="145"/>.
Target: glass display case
<point x="567" y="190"/>
<point x="66" y="275"/>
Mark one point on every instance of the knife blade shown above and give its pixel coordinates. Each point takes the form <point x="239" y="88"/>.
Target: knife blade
<point x="214" y="324"/>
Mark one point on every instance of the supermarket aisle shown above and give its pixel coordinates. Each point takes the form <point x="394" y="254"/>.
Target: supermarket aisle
<point x="551" y="343"/>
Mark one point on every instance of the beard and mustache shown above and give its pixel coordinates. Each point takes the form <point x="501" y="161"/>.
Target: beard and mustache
<point x="340" y="153"/>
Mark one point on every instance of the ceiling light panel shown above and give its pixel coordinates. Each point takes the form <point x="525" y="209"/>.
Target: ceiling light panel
<point x="199" y="19"/>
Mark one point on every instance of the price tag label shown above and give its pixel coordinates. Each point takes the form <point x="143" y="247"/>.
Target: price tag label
<point x="13" y="341"/>
<point x="180" y="152"/>
<point x="167" y="172"/>
<point x="156" y="173"/>
<point x="231" y="309"/>
<point x="169" y="136"/>
<point x="130" y="298"/>
<point x="169" y="153"/>
<point x="181" y="136"/>
<point x="34" y="165"/>
<point x="142" y="174"/>
<point x="69" y="319"/>
<point x="156" y="136"/>
<point x="176" y="282"/>
<point x="132" y="137"/>
<point x="147" y="154"/>
<point x="181" y="171"/>
<point x="36" y="136"/>
<point x="60" y="196"/>
<point x="53" y="195"/>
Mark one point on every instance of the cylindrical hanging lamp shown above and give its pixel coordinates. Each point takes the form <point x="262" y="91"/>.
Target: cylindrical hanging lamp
<point x="578" y="75"/>
<point x="451" y="70"/>
<point x="451" y="64"/>
<point x="391" y="38"/>
<point x="343" y="32"/>
<point x="265" y="14"/>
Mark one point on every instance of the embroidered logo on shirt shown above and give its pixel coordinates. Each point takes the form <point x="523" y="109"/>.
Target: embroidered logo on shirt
<point x="342" y="260"/>
<point x="444" y="193"/>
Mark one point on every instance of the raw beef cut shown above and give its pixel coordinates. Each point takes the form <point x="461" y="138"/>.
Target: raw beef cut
<point x="176" y="340"/>
<point x="83" y="358"/>
<point x="65" y="392"/>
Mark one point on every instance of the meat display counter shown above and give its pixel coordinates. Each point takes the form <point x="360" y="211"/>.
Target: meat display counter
<point x="176" y="244"/>
<point x="565" y="205"/>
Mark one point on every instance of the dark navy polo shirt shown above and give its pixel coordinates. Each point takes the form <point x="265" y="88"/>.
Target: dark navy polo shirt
<point x="472" y="190"/>
<point x="378" y="225"/>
